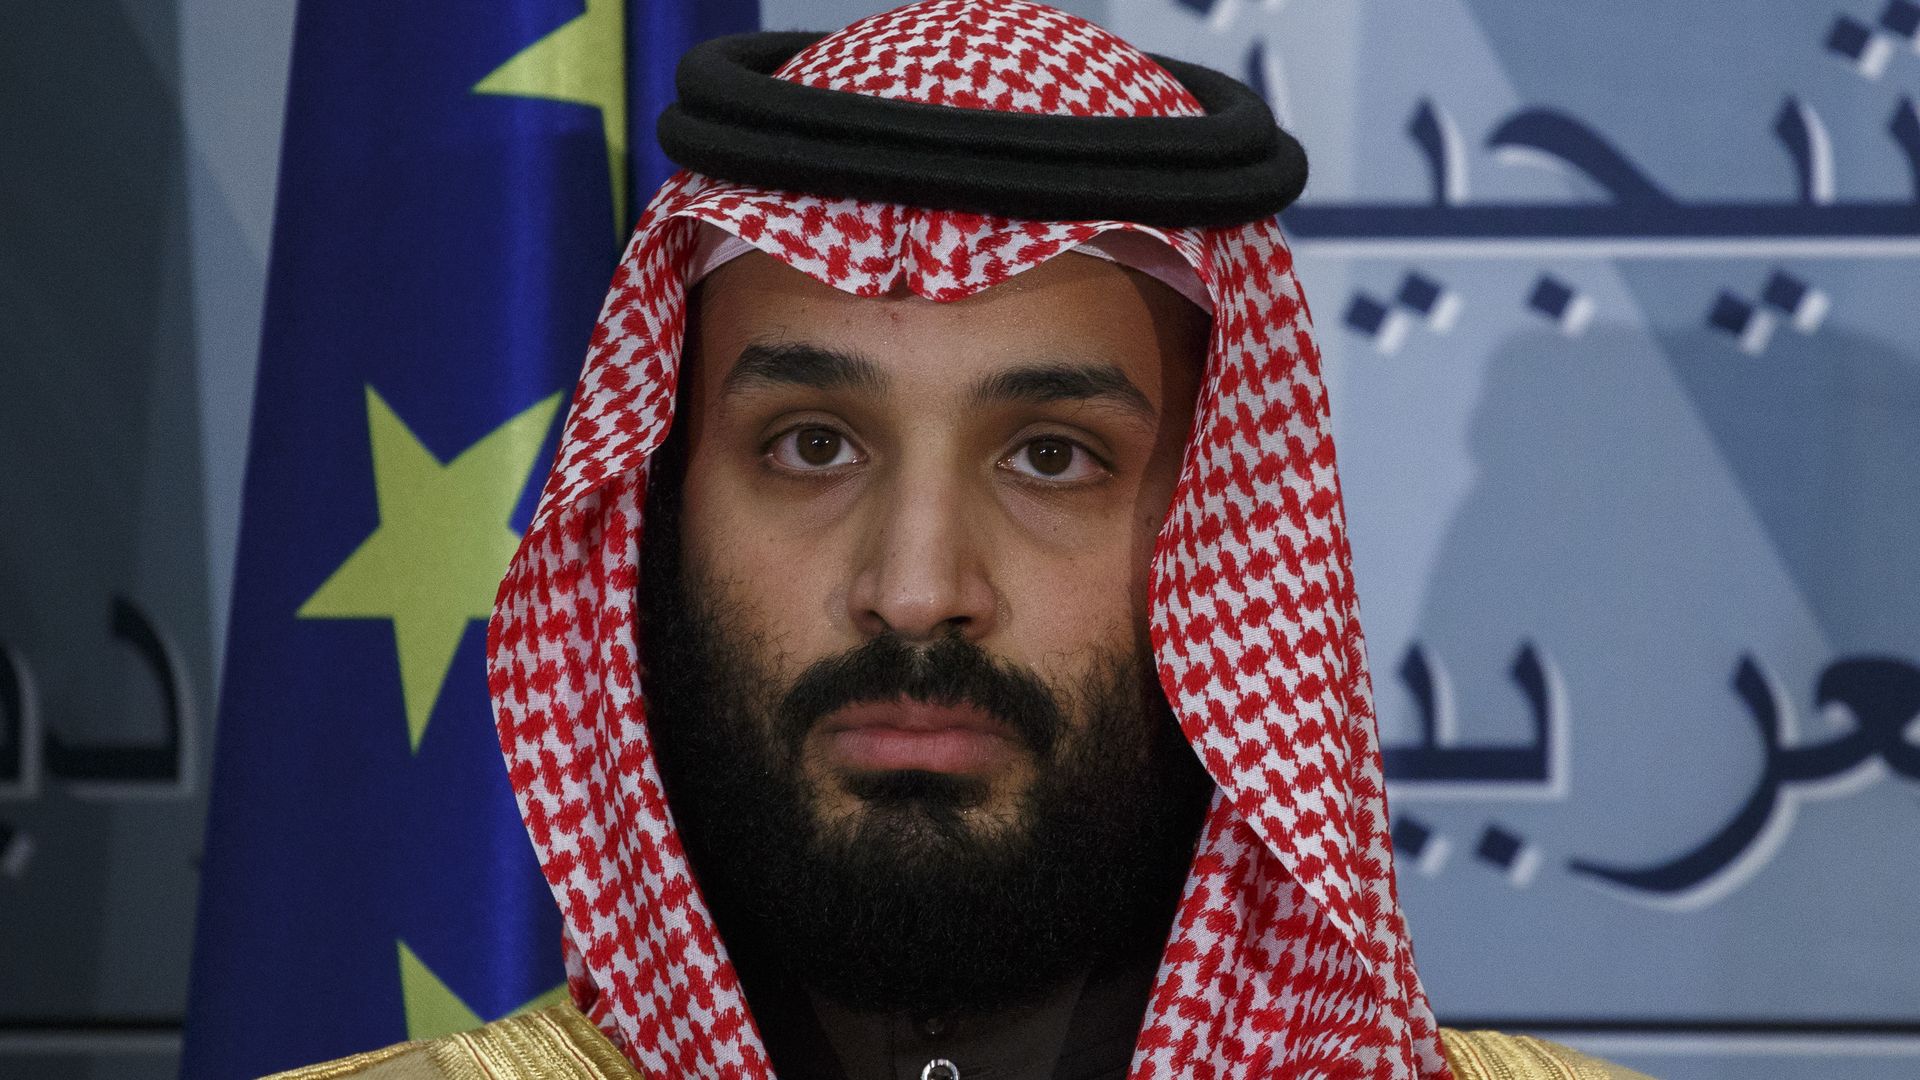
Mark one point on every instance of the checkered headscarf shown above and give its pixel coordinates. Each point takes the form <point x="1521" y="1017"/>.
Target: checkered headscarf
<point x="1289" y="956"/>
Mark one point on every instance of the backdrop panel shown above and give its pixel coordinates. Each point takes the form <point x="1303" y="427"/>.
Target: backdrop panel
<point x="1619" y="305"/>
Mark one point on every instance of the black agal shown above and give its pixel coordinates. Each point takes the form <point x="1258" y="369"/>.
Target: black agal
<point x="735" y="121"/>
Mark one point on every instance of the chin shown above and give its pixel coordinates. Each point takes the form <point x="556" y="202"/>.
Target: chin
<point x="898" y="804"/>
<point x="918" y="787"/>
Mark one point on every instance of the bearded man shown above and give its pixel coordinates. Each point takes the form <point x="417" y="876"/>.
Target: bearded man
<point x="935" y="653"/>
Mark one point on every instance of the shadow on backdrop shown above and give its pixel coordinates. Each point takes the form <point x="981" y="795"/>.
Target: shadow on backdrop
<point x="103" y="581"/>
<point x="1652" y="509"/>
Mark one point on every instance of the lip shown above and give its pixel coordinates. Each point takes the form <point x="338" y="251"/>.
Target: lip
<point x="883" y="736"/>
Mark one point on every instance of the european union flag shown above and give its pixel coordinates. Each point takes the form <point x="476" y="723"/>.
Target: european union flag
<point x="455" y="183"/>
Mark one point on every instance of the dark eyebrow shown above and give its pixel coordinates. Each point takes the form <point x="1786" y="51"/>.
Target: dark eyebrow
<point x="797" y="363"/>
<point x="1039" y="384"/>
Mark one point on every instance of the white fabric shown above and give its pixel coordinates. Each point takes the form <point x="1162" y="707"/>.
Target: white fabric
<point x="715" y="247"/>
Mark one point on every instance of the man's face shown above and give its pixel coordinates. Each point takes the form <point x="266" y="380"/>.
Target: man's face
<point x="894" y="580"/>
<point x="993" y="470"/>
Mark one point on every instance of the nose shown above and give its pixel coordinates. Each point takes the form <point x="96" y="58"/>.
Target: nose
<point x="922" y="573"/>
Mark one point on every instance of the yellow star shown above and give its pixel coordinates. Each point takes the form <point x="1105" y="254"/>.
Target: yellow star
<point x="443" y="541"/>
<point x="583" y="62"/>
<point x="433" y="1009"/>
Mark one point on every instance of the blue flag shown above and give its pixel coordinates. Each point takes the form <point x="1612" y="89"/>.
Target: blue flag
<point x="455" y="183"/>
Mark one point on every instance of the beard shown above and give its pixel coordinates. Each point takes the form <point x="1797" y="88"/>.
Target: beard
<point x="910" y="901"/>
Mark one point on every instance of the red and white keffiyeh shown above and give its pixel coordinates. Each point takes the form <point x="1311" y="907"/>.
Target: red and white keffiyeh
<point x="1289" y="956"/>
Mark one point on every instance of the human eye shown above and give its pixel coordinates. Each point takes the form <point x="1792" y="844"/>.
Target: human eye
<point x="1054" y="459"/>
<point x="812" y="448"/>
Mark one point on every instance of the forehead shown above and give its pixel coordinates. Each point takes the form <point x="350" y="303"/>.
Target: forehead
<point x="1070" y="308"/>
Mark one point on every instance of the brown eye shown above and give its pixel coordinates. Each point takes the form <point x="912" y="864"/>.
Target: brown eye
<point x="1054" y="458"/>
<point x="817" y="446"/>
<point x="812" y="448"/>
<point x="1050" y="457"/>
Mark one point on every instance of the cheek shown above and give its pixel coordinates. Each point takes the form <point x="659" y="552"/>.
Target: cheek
<point x="775" y="568"/>
<point x="1065" y="566"/>
<point x="1068" y="613"/>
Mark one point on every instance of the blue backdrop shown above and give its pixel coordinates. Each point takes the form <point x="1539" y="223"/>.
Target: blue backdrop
<point x="1619" y="301"/>
<point x="455" y="187"/>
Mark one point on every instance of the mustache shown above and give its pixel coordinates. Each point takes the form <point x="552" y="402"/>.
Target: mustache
<point x="951" y="672"/>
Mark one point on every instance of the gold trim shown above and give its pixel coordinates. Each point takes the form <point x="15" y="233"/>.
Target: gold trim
<point x="584" y="1038"/>
<point x="1464" y="1056"/>
<point x="1552" y="1062"/>
<point x="1490" y="1055"/>
<point x="348" y="1066"/>
<point x="555" y="1043"/>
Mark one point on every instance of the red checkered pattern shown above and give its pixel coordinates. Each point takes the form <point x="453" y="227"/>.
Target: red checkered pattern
<point x="1289" y="957"/>
<point x="1007" y="57"/>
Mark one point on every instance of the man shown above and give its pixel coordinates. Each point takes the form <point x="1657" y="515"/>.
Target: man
<point x="935" y="652"/>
